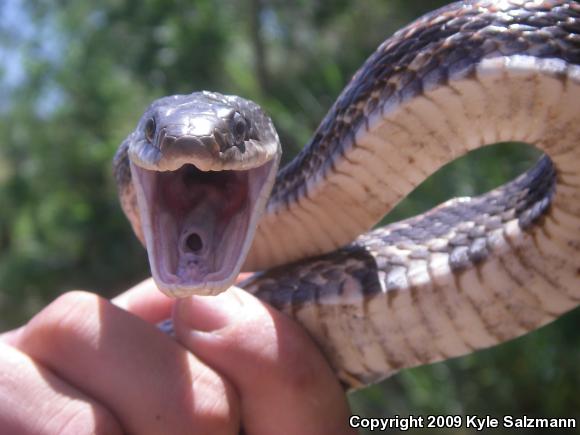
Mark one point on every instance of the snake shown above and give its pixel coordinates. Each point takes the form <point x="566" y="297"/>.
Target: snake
<point x="199" y="181"/>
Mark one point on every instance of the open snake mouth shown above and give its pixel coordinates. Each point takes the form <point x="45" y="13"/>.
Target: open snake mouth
<point x="197" y="224"/>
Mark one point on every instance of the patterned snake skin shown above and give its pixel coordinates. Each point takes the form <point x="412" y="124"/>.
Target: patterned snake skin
<point x="473" y="272"/>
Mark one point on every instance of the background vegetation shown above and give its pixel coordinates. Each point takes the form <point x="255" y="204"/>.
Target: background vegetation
<point x="74" y="78"/>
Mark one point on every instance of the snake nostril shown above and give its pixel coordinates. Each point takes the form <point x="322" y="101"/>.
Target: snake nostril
<point x="221" y="141"/>
<point x="150" y="128"/>
<point x="194" y="242"/>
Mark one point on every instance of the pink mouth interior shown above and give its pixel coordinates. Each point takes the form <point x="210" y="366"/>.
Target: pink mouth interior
<point x="198" y="222"/>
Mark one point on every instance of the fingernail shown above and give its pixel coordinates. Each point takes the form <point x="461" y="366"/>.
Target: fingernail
<point x="210" y="313"/>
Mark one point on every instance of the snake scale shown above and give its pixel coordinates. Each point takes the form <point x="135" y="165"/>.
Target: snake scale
<point x="195" y="179"/>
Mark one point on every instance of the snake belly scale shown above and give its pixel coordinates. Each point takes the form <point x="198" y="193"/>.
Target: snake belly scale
<point x="471" y="273"/>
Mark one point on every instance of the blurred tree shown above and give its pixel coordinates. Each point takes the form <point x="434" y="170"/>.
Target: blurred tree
<point x="77" y="75"/>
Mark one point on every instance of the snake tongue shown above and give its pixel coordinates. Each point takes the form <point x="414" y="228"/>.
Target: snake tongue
<point x="198" y="225"/>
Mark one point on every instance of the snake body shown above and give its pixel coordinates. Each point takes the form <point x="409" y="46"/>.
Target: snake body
<point x="470" y="273"/>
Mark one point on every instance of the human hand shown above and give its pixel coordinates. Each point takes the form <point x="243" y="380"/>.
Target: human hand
<point x="88" y="365"/>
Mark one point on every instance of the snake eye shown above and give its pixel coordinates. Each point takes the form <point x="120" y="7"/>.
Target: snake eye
<point x="239" y="127"/>
<point x="150" y="129"/>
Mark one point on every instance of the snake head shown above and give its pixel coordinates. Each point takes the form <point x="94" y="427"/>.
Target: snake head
<point x="200" y="171"/>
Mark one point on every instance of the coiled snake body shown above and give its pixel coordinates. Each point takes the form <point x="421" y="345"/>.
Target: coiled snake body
<point x="195" y="176"/>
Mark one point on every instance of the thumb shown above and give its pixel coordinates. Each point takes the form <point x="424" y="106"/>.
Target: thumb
<point x="285" y="384"/>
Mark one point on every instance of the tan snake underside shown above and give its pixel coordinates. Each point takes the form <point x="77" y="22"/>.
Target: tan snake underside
<point x="472" y="273"/>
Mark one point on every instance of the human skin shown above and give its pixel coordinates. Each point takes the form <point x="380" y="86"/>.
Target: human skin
<point x="85" y="364"/>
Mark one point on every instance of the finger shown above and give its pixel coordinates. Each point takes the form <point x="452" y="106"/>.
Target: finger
<point x="10" y="337"/>
<point x="152" y="383"/>
<point x="274" y="365"/>
<point x="36" y="401"/>
<point x="146" y="301"/>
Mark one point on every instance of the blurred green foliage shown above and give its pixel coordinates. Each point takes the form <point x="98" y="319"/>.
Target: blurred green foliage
<point x="83" y="72"/>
